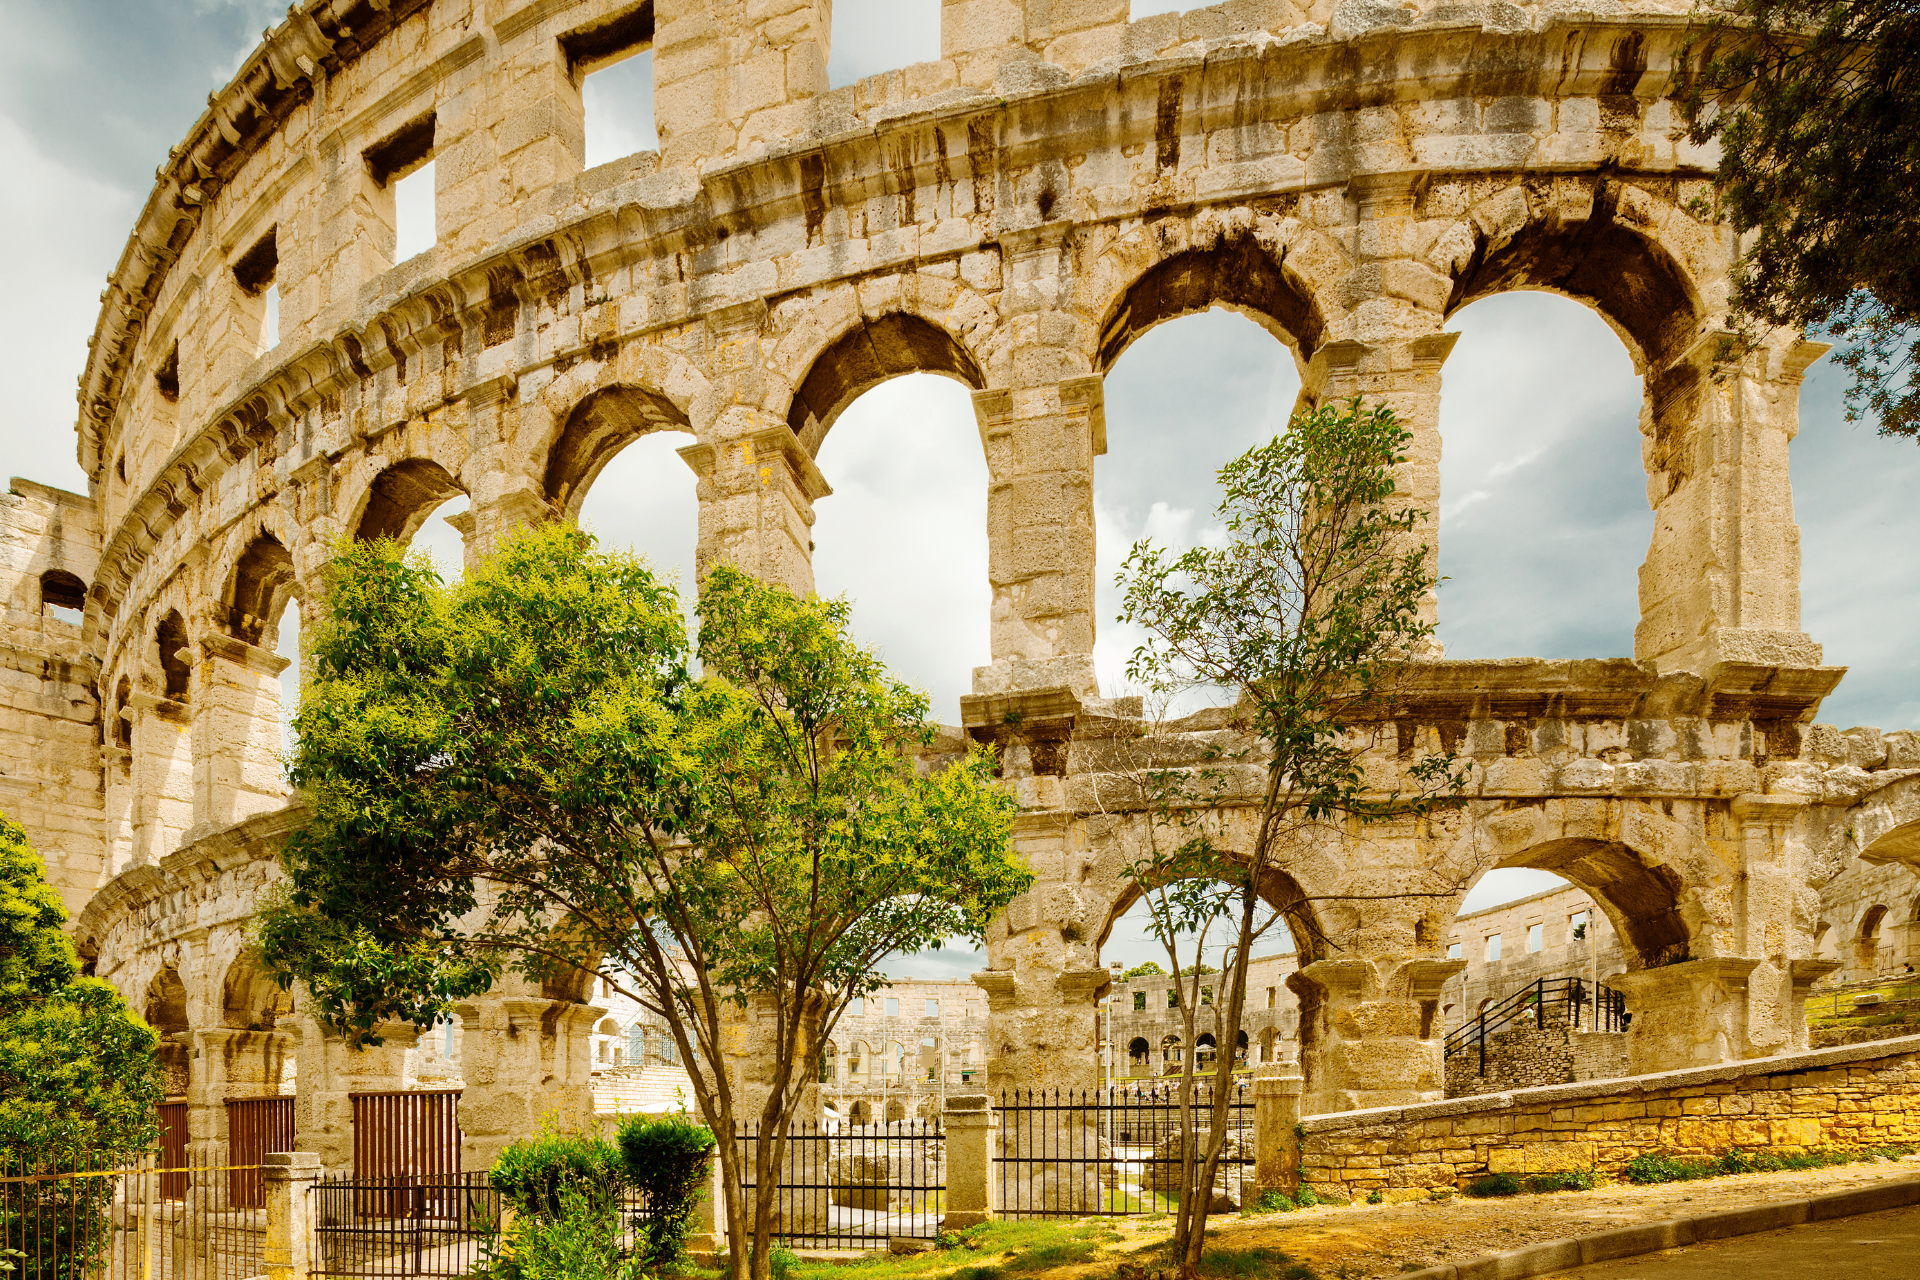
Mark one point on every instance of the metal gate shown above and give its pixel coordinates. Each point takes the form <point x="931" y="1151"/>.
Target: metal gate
<point x="856" y="1187"/>
<point x="255" y="1126"/>
<point x="406" y="1146"/>
<point x="174" y="1180"/>
<point x="1079" y="1153"/>
<point x="437" y="1225"/>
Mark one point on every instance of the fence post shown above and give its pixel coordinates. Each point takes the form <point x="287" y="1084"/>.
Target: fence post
<point x="1276" y="1117"/>
<point x="708" y="1236"/>
<point x="972" y="1197"/>
<point x="286" y="1177"/>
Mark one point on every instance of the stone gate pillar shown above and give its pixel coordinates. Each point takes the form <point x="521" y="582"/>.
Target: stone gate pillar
<point x="523" y="1058"/>
<point x="1369" y="1034"/>
<point x="1721" y="582"/>
<point x="330" y="1072"/>
<point x="229" y="1065"/>
<point x="1692" y="1014"/>
<point x="1772" y="842"/>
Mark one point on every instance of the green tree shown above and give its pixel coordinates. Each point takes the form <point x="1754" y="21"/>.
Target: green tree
<point x="522" y="771"/>
<point x="79" y="1082"/>
<point x="1309" y="611"/>
<point x="1146" y="969"/>
<point x="1816" y="108"/>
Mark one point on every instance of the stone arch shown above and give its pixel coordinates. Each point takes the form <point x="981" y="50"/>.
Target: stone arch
<point x="62" y="590"/>
<point x="1278" y="889"/>
<point x="1237" y="272"/>
<point x="250" y="1000"/>
<point x="1886" y="826"/>
<point x="597" y="428"/>
<point x="859" y="1114"/>
<point x="896" y="1110"/>
<point x="1867" y="942"/>
<point x="171" y="640"/>
<point x="1653" y="875"/>
<point x="874" y="350"/>
<point x="165" y="1010"/>
<point x="1610" y="259"/>
<point x="400" y="499"/>
<point x="1138" y="1050"/>
<point x="259" y="588"/>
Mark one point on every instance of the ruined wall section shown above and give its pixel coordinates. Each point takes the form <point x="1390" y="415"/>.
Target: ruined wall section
<point x="50" y="715"/>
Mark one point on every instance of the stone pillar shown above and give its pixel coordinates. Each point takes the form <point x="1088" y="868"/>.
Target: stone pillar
<point x="757" y="484"/>
<point x="237" y="742"/>
<point x="1721" y="582"/>
<point x="709" y="1234"/>
<point x="1692" y="1014"/>
<point x="1764" y="920"/>
<point x="973" y="1193"/>
<point x="330" y="1072"/>
<point x="1393" y="346"/>
<point x="162" y="802"/>
<point x="1367" y="1037"/>
<point x="228" y="1065"/>
<point x="288" y="1177"/>
<point x="523" y="1059"/>
<point x="496" y="516"/>
<point x="1277" y="1092"/>
<point x="735" y="77"/>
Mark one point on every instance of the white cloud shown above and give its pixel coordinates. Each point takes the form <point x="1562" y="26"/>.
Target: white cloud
<point x="871" y="36"/>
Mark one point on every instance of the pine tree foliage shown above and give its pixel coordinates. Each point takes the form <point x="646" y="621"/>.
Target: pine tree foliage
<point x="1816" y="107"/>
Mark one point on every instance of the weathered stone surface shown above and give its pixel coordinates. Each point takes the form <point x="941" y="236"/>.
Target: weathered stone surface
<point x="1011" y="216"/>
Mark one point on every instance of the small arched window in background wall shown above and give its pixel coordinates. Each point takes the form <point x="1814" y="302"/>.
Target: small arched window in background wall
<point x="1869" y="949"/>
<point x="64" y="594"/>
<point x="121" y="728"/>
<point x="176" y="664"/>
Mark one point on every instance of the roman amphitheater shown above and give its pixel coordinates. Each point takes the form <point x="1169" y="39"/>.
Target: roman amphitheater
<point x="1011" y="216"/>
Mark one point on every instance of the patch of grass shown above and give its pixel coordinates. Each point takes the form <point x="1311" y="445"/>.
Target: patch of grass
<point x="1572" y="1180"/>
<point x="1269" y="1264"/>
<point x="1657" y="1167"/>
<point x="1046" y="1257"/>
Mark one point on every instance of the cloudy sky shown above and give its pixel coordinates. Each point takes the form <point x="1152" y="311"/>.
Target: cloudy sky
<point x="1544" y="512"/>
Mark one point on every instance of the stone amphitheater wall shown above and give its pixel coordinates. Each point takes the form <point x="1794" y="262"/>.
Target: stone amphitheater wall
<point x="1011" y="216"/>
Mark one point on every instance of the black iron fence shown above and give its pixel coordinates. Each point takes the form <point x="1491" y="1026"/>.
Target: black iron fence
<point x="75" y="1218"/>
<point x="1581" y="1005"/>
<point x="855" y="1187"/>
<point x="1077" y="1153"/>
<point x="404" y="1225"/>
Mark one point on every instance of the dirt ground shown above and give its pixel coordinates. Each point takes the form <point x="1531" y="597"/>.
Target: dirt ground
<point x="1351" y="1242"/>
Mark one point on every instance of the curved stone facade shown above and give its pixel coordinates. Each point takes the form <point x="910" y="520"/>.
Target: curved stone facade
<point x="1011" y="216"/>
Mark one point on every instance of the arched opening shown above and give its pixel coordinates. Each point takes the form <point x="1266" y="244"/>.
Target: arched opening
<point x="896" y="1111"/>
<point x="249" y="999"/>
<point x="903" y="535"/>
<point x="402" y="497"/>
<point x="1640" y="899"/>
<point x="616" y="468"/>
<point x="1138" y="1051"/>
<point x="1867" y="951"/>
<point x="1544" y="518"/>
<point x="861" y="1113"/>
<point x="1204" y="1050"/>
<point x="166" y="1013"/>
<point x="597" y="429"/>
<point x="1171" y="1054"/>
<point x="1201" y="359"/>
<point x="63" y="595"/>
<point x="1240" y="1046"/>
<point x="262" y="586"/>
<point x="176" y="661"/>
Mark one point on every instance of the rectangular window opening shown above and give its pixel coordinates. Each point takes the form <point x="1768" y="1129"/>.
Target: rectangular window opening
<point x="167" y="377"/>
<point x="1272" y="994"/>
<point x="893" y="1007"/>
<point x="1453" y="951"/>
<point x="1536" y="937"/>
<point x="933" y="1008"/>
<point x="1493" y="947"/>
<point x="612" y="62"/>
<point x="255" y="271"/>
<point x="402" y="168"/>
<point x="1140" y="1001"/>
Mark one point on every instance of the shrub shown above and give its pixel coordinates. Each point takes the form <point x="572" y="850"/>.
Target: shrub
<point x="667" y="1160"/>
<point x="1658" y="1166"/>
<point x="1273" y="1202"/>
<point x="1498" y="1184"/>
<point x="1306" y="1199"/>
<point x="533" y="1175"/>
<point x="1374" y="1197"/>
<point x="1572" y="1180"/>
<point x="577" y="1237"/>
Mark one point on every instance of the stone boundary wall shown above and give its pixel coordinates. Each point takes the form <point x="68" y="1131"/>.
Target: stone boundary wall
<point x="1860" y="1095"/>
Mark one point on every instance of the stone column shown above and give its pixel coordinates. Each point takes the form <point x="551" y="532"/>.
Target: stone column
<point x="1692" y="1014"/>
<point x="1277" y="1092"/>
<point x="757" y="484"/>
<point x="523" y="1059"/>
<point x="237" y="770"/>
<point x="1721" y="582"/>
<point x="330" y="1072"/>
<point x="973" y="1193"/>
<point x="1764" y="921"/>
<point x="162" y="775"/>
<point x="1366" y="1037"/>
<point x="288" y="1177"/>
<point x="229" y="1064"/>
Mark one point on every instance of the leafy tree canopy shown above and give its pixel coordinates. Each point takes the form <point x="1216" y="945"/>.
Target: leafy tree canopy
<point x="1816" y="106"/>
<point x="78" y="1075"/>
<point x="524" y="771"/>
<point x="1147" y="969"/>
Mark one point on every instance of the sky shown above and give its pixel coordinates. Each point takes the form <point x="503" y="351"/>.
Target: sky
<point x="1544" y="517"/>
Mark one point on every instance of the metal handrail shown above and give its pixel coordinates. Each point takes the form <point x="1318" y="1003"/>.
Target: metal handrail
<point x="1609" y="1012"/>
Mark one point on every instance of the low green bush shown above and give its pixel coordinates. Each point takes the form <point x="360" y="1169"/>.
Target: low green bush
<point x="666" y="1160"/>
<point x="1572" y="1180"/>
<point x="1306" y="1199"/>
<point x="1273" y="1202"/>
<point x="1497" y="1184"/>
<point x="530" y="1175"/>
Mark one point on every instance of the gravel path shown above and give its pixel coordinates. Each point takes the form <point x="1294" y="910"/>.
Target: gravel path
<point x="1351" y="1242"/>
